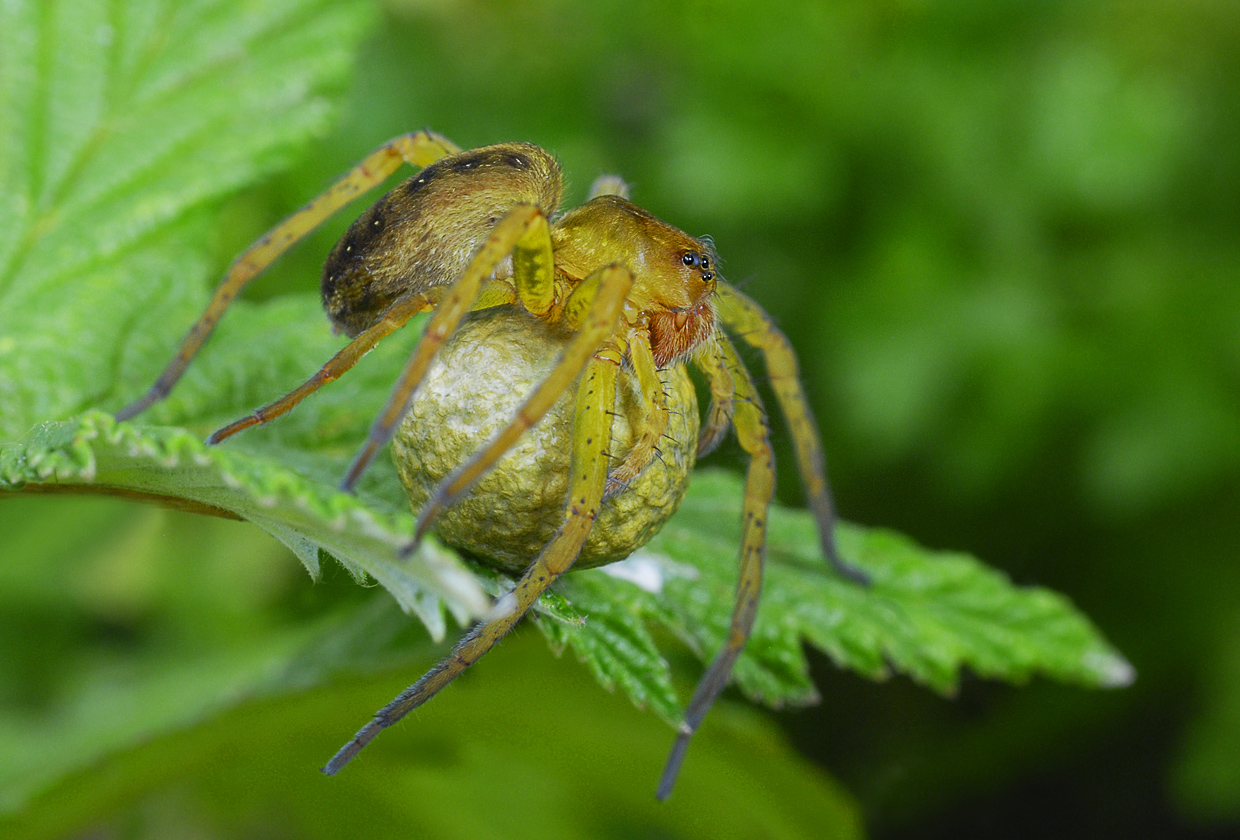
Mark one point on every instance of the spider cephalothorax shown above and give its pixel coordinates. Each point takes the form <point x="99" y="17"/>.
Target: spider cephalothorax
<point x="631" y="301"/>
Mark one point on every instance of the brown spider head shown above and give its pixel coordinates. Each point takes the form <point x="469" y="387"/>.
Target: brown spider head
<point x="424" y="232"/>
<point x="674" y="275"/>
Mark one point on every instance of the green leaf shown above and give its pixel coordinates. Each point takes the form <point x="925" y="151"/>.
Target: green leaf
<point x="606" y="626"/>
<point x="94" y="452"/>
<point x="927" y="614"/>
<point x="119" y="122"/>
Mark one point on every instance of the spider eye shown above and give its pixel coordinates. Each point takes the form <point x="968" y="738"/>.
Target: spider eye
<point x="690" y="259"/>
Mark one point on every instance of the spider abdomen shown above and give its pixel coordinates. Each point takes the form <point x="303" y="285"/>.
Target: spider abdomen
<point x="423" y="233"/>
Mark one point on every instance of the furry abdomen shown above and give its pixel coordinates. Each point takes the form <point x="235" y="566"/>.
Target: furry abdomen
<point x="393" y="249"/>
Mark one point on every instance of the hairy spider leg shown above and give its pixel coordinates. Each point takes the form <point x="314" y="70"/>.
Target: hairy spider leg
<point x="419" y="149"/>
<point x="709" y="360"/>
<point x="397" y="315"/>
<point x="592" y="311"/>
<point x="596" y="397"/>
<point x="522" y="229"/>
<point x="653" y="404"/>
<point x="749" y="419"/>
<point x="494" y="293"/>
<point x="749" y="321"/>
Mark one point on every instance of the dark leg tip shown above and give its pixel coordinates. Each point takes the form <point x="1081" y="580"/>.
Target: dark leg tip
<point x="672" y="769"/>
<point x="132" y="410"/>
<point x="851" y="573"/>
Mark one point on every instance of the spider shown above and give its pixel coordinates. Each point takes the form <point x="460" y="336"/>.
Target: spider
<point x="478" y="230"/>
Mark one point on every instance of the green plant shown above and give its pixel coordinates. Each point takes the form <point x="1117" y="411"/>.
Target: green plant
<point x="117" y="152"/>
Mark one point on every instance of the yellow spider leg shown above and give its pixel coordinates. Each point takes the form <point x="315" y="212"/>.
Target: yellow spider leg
<point x="751" y="431"/>
<point x="709" y="359"/>
<point x="596" y="397"/>
<point x="494" y="293"/>
<point x="457" y="300"/>
<point x="397" y="315"/>
<point x="419" y="149"/>
<point x="654" y="423"/>
<point x="750" y="322"/>
<point x="605" y="291"/>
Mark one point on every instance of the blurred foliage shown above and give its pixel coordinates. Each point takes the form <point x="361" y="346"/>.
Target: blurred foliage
<point x="1002" y="236"/>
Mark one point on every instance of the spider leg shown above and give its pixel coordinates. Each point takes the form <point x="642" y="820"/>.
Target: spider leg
<point x="397" y="315"/>
<point x="418" y="149"/>
<point x="709" y="360"/>
<point x="751" y="431"/>
<point x="521" y="232"/>
<point x="744" y="317"/>
<point x="654" y="422"/>
<point x="591" y="435"/>
<point x="592" y="309"/>
<point x="495" y="293"/>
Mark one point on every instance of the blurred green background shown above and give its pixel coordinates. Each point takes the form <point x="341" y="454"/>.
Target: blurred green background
<point x="1003" y="237"/>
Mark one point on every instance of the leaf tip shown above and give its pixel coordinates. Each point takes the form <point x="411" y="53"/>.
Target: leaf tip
<point x="1110" y="668"/>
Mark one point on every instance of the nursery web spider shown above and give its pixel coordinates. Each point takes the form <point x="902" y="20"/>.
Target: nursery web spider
<point x="475" y="230"/>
